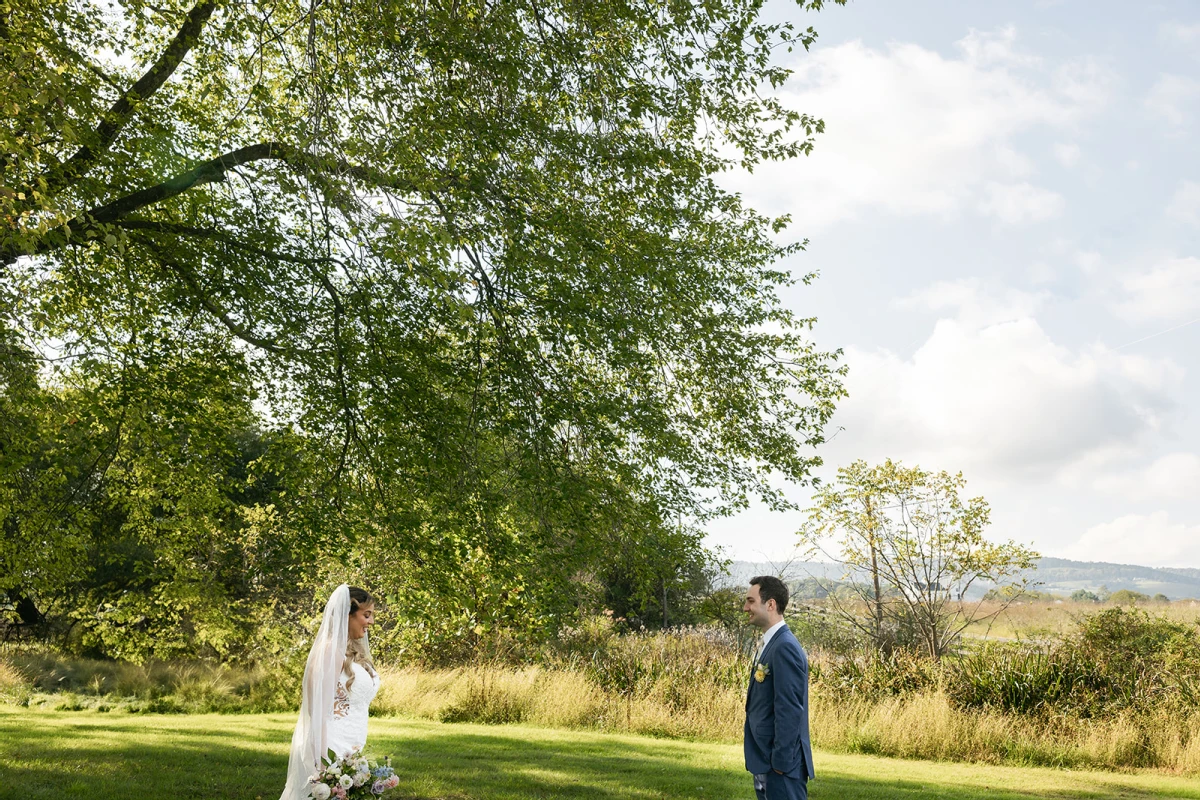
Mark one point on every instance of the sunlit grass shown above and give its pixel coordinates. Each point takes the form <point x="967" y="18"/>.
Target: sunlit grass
<point x="110" y="756"/>
<point x="1048" y="619"/>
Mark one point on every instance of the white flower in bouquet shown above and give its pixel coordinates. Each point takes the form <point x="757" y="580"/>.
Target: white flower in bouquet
<point x="334" y="769"/>
<point x="361" y="777"/>
<point x="320" y="791"/>
<point x="346" y="781"/>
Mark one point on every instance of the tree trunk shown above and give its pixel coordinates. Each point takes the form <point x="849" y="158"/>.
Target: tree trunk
<point x="878" y="610"/>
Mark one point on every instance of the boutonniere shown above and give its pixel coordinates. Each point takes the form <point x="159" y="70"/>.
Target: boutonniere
<point x="761" y="672"/>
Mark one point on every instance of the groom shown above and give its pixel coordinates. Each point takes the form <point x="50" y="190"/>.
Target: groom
<point x="778" y="754"/>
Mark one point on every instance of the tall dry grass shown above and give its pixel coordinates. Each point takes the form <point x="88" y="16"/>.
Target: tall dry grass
<point x="16" y="687"/>
<point x="930" y="726"/>
<point x="923" y="726"/>
<point x="556" y="699"/>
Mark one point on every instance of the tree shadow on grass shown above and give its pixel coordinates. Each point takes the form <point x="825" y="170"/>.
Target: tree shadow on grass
<point x="246" y="757"/>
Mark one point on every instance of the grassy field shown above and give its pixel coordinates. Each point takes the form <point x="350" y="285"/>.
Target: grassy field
<point x="1047" y="619"/>
<point x="109" y="756"/>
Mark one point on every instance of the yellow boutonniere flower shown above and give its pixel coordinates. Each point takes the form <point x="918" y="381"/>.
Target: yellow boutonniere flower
<point x="761" y="672"/>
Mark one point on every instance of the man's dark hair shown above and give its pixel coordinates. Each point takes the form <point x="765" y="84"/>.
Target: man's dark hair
<point x="771" y="588"/>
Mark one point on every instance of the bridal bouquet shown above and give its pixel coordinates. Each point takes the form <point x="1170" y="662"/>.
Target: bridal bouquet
<point x="352" y="777"/>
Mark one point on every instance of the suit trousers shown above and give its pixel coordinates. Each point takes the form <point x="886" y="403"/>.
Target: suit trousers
<point x="773" y="786"/>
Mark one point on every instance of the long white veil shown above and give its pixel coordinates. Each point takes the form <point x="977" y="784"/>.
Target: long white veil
<point x="316" y="703"/>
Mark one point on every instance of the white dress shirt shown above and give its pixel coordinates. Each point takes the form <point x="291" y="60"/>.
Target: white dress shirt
<point x="766" y="637"/>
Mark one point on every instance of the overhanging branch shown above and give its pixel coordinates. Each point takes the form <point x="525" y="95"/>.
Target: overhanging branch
<point x="210" y="171"/>
<point x="190" y="279"/>
<point x="213" y="171"/>
<point x="126" y="105"/>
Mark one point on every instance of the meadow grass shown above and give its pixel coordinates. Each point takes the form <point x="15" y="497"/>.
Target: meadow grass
<point x="97" y="756"/>
<point x="921" y="726"/>
<point x="1048" y="620"/>
<point x="930" y="726"/>
<point x="924" y="724"/>
<point x="559" y="699"/>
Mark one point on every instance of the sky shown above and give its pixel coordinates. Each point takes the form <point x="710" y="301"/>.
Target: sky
<point x="1004" y="210"/>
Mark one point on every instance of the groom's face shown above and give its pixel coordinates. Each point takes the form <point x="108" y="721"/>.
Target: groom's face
<point x="758" y="614"/>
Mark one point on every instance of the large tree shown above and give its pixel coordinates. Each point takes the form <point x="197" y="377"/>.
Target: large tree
<point x="476" y="250"/>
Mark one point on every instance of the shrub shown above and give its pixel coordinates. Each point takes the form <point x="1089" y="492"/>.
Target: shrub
<point x="824" y="634"/>
<point x="873" y="675"/>
<point x="1018" y="677"/>
<point x="1117" y="659"/>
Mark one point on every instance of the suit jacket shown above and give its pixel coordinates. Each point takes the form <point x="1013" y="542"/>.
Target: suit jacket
<point x="776" y="731"/>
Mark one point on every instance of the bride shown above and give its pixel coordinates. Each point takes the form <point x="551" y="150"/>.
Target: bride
<point x="339" y="683"/>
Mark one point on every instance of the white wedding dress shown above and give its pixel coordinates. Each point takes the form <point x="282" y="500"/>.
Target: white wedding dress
<point x="348" y="722"/>
<point x="331" y="716"/>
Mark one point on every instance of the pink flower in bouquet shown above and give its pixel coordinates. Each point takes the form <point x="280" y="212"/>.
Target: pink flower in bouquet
<point x="339" y="793"/>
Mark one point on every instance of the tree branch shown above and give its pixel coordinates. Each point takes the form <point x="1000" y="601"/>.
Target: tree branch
<point x="211" y="171"/>
<point x="126" y="105"/>
<point x="189" y="278"/>
<point x="177" y="229"/>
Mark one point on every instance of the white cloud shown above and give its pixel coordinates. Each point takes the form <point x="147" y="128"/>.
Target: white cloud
<point x="915" y="133"/>
<point x="1020" y="202"/>
<point x="1185" y="203"/>
<point x="1169" y="292"/>
<point x="1151" y="539"/>
<point x="1180" y="33"/>
<point x="1173" y="476"/>
<point x="1089" y="262"/>
<point x="985" y="48"/>
<point x="991" y="393"/>
<point x="1067" y="153"/>
<point x="1173" y="99"/>
<point x="973" y="304"/>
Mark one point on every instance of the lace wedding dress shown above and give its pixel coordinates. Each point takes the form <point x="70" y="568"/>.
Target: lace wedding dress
<point x="348" y="726"/>
<point x="331" y="716"/>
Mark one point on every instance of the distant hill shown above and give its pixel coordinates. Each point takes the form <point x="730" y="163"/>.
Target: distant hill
<point x="1063" y="577"/>
<point x="1057" y="575"/>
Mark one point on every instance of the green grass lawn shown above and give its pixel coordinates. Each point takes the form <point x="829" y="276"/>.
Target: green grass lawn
<point x="108" y="756"/>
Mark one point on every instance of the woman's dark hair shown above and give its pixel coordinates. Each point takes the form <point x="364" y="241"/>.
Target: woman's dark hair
<point x="358" y="598"/>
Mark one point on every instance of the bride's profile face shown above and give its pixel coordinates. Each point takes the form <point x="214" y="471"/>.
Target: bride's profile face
<point x="362" y="619"/>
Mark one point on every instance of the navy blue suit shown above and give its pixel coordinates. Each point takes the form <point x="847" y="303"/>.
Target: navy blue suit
<point x="776" y="732"/>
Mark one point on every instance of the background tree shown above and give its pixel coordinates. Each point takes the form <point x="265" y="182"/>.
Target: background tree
<point x="912" y="549"/>
<point x="1130" y="597"/>
<point x="473" y="258"/>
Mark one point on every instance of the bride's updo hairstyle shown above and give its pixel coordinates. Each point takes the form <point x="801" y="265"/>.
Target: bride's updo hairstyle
<point x="358" y="650"/>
